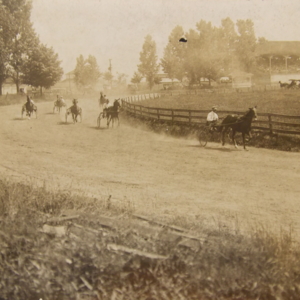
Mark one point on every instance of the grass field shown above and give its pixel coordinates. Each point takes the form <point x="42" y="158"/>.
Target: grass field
<point x="81" y="257"/>
<point x="280" y="101"/>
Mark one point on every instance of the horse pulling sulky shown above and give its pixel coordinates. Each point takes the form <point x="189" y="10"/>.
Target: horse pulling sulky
<point x="111" y="113"/>
<point x="29" y="107"/>
<point x="58" y="104"/>
<point x="75" y="111"/>
<point x="232" y="123"/>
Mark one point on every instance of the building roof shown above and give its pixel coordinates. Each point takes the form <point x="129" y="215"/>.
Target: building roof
<point x="278" y="48"/>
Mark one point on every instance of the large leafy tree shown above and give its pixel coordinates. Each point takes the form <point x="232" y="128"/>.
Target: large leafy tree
<point x="23" y="39"/>
<point x="86" y="72"/>
<point x="204" y="58"/>
<point x="6" y="34"/>
<point x="246" y="44"/>
<point x="228" y="41"/>
<point x="148" y="58"/>
<point x="136" y="78"/>
<point x="42" y="68"/>
<point x="174" y="55"/>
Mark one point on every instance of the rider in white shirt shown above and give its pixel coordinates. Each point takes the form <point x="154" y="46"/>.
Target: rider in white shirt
<point x="105" y="107"/>
<point x="212" y="117"/>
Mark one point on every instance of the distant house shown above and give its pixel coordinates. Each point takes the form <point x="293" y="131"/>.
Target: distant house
<point x="9" y="87"/>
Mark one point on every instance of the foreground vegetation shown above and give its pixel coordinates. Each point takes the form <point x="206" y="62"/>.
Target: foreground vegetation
<point x="58" y="245"/>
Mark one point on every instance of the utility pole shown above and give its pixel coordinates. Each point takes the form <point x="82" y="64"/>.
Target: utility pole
<point x="110" y="70"/>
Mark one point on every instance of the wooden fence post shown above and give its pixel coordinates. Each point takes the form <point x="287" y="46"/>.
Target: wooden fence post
<point x="157" y="113"/>
<point x="141" y="112"/>
<point x="172" y="116"/>
<point x="270" y="124"/>
<point x="134" y="110"/>
<point x="190" y="117"/>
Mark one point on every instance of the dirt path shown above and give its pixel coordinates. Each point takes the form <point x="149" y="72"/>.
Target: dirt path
<point x="153" y="173"/>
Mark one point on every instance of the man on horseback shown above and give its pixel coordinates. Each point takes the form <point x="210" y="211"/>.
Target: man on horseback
<point x="212" y="119"/>
<point x="29" y="104"/>
<point x="74" y="107"/>
<point x="105" y="107"/>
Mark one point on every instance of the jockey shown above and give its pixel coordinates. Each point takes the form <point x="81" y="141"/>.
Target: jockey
<point x="74" y="107"/>
<point x="212" y="118"/>
<point x="29" y="102"/>
<point x="105" y="107"/>
<point x="29" y="105"/>
<point x="61" y="100"/>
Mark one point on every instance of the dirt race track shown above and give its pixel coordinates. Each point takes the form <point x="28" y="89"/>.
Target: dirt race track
<point x="157" y="174"/>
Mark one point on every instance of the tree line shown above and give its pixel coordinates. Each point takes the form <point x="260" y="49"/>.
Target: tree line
<point x="206" y="52"/>
<point x="87" y="73"/>
<point x="22" y="56"/>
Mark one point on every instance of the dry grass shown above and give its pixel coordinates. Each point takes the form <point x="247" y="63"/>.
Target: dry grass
<point x="80" y="264"/>
<point x="279" y="101"/>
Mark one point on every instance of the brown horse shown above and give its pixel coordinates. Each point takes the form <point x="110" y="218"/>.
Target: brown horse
<point x="75" y="111"/>
<point x="238" y="124"/>
<point x="29" y="108"/>
<point x="58" y="104"/>
<point x="112" y="113"/>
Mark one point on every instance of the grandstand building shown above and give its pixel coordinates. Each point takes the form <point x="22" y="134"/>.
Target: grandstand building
<point x="281" y="59"/>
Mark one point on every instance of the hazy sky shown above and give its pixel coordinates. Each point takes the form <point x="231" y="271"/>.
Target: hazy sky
<point x="115" y="29"/>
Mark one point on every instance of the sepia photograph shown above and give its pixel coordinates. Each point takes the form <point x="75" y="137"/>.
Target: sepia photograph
<point x="149" y="150"/>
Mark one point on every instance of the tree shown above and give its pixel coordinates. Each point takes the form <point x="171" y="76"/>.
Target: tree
<point x="204" y="58"/>
<point x="23" y="39"/>
<point x="174" y="55"/>
<point x="86" y="72"/>
<point x="122" y="78"/>
<point x="228" y="41"/>
<point x="136" y="78"/>
<point x="108" y="76"/>
<point x="42" y="69"/>
<point x="246" y="44"/>
<point x="148" y="66"/>
<point x="6" y="24"/>
<point x="79" y="71"/>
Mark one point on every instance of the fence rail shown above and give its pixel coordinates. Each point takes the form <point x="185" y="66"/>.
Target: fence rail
<point x="273" y="123"/>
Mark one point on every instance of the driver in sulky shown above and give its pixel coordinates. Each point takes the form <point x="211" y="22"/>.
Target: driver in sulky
<point x="212" y="118"/>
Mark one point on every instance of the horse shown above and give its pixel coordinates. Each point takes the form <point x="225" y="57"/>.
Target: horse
<point x="29" y="108"/>
<point x="58" y="104"/>
<point x="112" y="113"/>
<point x="75" y="111"/>
<point x="238" y="124"/>
<point x="283" y="85"/>
<point x="292" y="85"/>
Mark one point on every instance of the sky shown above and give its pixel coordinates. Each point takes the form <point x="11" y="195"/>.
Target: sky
<point x="116" y="29"/>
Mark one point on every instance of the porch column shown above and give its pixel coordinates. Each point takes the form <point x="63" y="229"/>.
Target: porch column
<point x="286" y="57"/>
<point x="270" y="64"/>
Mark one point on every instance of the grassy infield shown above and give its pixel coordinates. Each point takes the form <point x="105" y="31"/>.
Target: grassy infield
<point x="79" y="264"/>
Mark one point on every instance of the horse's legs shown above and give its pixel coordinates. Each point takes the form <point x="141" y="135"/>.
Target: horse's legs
<point x="244" y="142"/>
<point x="224" y="130"/>
<point x="233" y="139"/>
